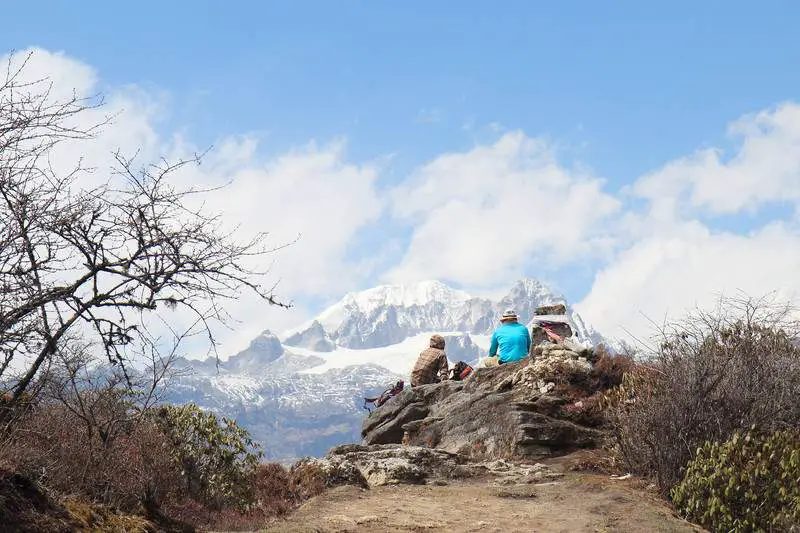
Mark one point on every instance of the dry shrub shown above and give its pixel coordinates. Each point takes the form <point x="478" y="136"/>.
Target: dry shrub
<point x="589" y="411"/>
<point x="306" y="480"/>
<point x="272" y="489"/>
<point x="206" y="518"/>
<point x="132" y="469"/>
<point x="275" y="492"/>
<point x="56" y="450"/>
<point x="711" y="375"/>
<point x="608" y="370"/>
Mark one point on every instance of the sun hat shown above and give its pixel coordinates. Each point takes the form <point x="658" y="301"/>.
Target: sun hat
<point x="508" y="314"/>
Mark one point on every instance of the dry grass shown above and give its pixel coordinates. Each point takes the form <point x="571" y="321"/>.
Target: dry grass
<point x="100" y="518"/>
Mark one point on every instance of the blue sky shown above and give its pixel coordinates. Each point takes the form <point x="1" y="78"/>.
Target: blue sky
<point x="618" y="88"/>
<point x="627" y="85"/>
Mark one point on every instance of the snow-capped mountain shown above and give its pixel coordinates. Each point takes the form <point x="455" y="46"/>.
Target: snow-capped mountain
<point x="301" y="393"/>
<point x="388" y="314"/>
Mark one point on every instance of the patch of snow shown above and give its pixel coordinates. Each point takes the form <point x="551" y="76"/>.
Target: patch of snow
<point x="398" y="358"/>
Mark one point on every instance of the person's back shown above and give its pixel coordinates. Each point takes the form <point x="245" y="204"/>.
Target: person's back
<point x="431" y="365"/>
<point x="511" y="341"/>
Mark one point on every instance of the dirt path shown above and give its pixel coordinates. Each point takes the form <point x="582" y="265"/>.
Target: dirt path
<point x="574" y="503"/>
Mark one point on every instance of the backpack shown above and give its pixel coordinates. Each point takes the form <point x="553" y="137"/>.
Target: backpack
<point x="460" y="371"/>
<point x="385" y="396"/>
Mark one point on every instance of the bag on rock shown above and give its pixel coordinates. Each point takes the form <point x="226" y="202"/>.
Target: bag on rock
<point x="460" y="371"/>
<point x="384" y="396"/>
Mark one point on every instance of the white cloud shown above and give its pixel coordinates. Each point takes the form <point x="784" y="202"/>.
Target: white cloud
<point x="310" y="193"/>
<point x="130" y="112"/>
<point x="766" y="168"/>
<point x="662" y="277"/>
<point x="485" y="214"/>
<point x="673" y="262"/>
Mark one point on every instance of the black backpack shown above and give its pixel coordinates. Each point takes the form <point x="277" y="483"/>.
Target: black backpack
<point x="385" y="396"/>
<point x="460" y="371"/>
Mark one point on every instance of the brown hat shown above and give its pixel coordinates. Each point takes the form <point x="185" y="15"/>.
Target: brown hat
<point x="437" y="341"/>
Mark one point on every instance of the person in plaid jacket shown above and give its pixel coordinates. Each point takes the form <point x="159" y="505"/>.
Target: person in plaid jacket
<point x="431" y="366"/>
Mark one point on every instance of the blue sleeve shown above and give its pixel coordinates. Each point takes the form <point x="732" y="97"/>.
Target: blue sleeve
<point x="493" y="347"/>
<point x="528" y="339"/>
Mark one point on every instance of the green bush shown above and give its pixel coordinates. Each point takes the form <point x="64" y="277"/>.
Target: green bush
<point x="748" y="483"/>
<point x="216" y="456"/>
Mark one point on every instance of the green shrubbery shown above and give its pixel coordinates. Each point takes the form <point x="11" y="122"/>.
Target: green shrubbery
<point x="216" y="456"/>
<point x="749" y="483"/>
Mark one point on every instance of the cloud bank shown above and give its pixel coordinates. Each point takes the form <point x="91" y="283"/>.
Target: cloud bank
<point x="483" y="217"/>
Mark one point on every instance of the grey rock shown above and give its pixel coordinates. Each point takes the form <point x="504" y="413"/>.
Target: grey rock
<point x="556" y="309"/>
<point x="380" y="465"/>
<point x="507" y="411"/>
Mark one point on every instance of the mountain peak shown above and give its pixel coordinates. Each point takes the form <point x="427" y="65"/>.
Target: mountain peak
<point x="400" y="295"/>
<point x="262" y="350"/>
<point x="407" y="295"/>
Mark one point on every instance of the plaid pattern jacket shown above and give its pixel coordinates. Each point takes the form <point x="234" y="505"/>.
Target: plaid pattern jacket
<point x="431" y="367"/>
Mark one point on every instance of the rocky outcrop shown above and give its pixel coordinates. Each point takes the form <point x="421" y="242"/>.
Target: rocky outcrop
<point x="378" y="465"/>
<point x="531" y="409"/>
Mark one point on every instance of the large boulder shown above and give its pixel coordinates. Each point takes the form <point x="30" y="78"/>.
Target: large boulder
<point x="514" y="410"/>
<point x="392" y="464"/>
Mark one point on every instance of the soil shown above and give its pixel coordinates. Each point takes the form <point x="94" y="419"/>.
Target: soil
<point x="576" y="502"/>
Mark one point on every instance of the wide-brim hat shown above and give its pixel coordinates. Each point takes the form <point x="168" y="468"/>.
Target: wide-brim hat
<point x="508" y="314"/>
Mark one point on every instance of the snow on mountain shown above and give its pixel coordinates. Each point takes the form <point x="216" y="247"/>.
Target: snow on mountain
<point x="313" y="337"/>
<point x="262" y="351"/>
<point x="386" y="315"/>
<point x="302" y="393"/>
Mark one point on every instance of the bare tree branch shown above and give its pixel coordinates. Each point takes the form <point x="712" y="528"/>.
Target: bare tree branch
<point x="96" y="264"/>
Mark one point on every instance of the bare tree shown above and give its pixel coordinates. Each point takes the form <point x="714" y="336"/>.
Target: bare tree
<point x="99" y="264"/>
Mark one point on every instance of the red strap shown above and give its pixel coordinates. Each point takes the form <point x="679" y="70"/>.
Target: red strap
<point x="552" y="334"/>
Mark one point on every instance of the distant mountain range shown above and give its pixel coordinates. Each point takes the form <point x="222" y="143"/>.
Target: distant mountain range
<point x="302" y="392"/>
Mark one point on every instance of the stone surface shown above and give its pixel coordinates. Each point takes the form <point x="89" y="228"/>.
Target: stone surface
<point x="380" y="465"/>
<point x="555" y="309"/>
<point x="509" y="411"/>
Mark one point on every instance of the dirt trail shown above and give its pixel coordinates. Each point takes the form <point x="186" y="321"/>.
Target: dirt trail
<point x="574" y="503"/>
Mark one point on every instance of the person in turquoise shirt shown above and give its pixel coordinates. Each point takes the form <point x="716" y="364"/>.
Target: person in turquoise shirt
<point x="512" y="340"/>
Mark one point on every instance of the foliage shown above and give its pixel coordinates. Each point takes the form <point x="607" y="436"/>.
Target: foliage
<point x="216" y="456"/>
<point x="749" y="483"/>
<point x="711" y="375"/>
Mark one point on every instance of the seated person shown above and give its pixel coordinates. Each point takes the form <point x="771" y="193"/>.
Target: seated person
<point x="511" y="341"/>
<point x="431" y="366"/>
